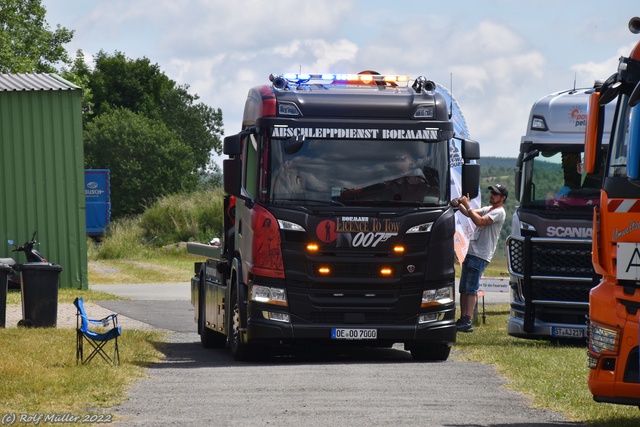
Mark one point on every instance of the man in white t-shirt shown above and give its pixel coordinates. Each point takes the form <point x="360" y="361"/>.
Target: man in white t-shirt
<point x="482" y="245"/>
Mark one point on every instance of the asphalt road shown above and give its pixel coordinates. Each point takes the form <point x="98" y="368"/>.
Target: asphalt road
<point x="315" y="387"/>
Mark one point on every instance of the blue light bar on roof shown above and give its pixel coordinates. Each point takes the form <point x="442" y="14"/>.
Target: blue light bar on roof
<point x="296" y="78"/>
<point x="300" y="78"/>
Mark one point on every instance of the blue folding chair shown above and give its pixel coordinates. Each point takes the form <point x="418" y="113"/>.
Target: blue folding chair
<point x="107" y="331"/>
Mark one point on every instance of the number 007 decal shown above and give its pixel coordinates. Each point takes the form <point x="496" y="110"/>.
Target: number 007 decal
<point x="370" y="239"/>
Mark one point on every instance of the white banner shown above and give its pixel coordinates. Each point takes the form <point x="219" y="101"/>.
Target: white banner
<point x="464" y="225"/>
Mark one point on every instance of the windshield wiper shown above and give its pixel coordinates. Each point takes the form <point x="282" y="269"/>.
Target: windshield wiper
<point x="365" y="202"/>
<point x="324" y="202"/>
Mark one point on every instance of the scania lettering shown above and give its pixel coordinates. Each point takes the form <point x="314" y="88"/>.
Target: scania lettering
<point x="338" y="224"/>
<point x="549" y="250"/>
<point x="614" y="304"/>
<point x="584" y="233"/>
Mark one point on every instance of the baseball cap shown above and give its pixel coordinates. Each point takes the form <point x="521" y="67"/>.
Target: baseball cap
<point x="499" y="188"/>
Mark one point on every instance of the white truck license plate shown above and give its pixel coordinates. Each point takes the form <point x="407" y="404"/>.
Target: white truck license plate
<point x="567" y="332"/>
<point x="354" y="334"/>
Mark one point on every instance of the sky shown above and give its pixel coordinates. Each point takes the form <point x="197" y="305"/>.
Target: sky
<point x="497" y="56"/>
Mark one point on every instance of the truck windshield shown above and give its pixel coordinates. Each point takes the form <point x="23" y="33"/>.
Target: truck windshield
<point x="554" y="181"/>
<point x="358" y="172"/>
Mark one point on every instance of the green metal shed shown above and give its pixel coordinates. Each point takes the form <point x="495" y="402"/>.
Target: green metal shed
<point x="42" y="171"/>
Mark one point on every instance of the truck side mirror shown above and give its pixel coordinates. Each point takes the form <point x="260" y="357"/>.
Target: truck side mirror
<point x="591" y="142"/>
<point x="634" y="99"/>
<point x="471" y="179"/>
<point x="518" y="175"/>
<point x="232" y="145"/>
<point x="470" y="150"/>
<point x="517" y="183"/>
<point x="470" y="171"/>
<point x="633" y="159"/>
<point x="231" y="175"/>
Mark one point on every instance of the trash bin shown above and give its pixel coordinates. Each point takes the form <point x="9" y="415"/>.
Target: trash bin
<point x="40" y="282"/>
<point x="4" y="285"/>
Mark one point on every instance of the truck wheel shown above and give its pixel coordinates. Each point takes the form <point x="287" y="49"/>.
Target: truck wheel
<point x="434" y="353"/>
<point x="239" y="349"/>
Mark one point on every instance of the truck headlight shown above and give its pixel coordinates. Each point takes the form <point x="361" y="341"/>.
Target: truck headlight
<point x="525" y="226"/>
<point x="431" y="297"/>
<point x="603" y="339"/>
<point x="276" y="317"/>
<point x="289" y="226"/>
<point x="422" y="228"/>
<point x="268" y="295"/>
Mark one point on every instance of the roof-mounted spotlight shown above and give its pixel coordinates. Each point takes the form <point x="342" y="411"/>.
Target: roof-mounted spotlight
<point x="422" y="83"/>
<point x="278" y="81"/>
<point x="634" y="25"/>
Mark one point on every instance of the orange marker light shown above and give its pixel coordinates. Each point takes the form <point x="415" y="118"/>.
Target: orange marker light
<point x="398" y="249"/>
<point x="324" y="270"/>
<point x="386" y="271"/>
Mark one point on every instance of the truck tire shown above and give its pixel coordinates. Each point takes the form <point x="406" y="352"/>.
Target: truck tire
<point x="434" y="353"/>
<point x="239" y="348"/>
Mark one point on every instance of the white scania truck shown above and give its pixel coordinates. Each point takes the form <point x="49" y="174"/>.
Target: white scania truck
<point x="549" y="250"/>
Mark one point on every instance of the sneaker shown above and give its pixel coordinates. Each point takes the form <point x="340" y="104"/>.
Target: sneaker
<point x="467" y="326"/>
<point x="463" y="320"/>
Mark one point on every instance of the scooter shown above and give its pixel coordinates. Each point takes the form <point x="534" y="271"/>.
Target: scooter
<point x="32" y="256"/>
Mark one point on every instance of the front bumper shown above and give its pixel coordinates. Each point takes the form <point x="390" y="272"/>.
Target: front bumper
<point x="263" y="331"/>
<point x="542" y="330"/>
<point x="615" y="392"/>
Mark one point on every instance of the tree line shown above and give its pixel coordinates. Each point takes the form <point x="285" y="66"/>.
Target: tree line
<point x="153" y="135"/>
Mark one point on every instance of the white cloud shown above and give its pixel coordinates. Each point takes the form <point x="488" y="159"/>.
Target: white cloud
<point x="592" y="71"/>
<point x="470" y="77"/>
<point x="503" y="55"/>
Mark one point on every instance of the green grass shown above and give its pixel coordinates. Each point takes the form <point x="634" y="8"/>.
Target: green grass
<point x="65" y="296"/>
<point x="164" y="267"/>
<point x="39" y="372"/>
<point x="553" y="376"/>
<point x="497" y="267"/>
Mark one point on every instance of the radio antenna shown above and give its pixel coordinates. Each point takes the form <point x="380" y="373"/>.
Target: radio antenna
<point x="451" y="100"/>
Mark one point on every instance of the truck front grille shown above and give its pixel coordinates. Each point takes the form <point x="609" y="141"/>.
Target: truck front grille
<point x="550" y="257"/>
<point x="356" y="270"/>
<point x="339" y="318"/>
<point x="549" y="290"/>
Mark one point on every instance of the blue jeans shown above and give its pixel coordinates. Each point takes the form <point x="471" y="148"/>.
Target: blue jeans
<point x="472" y="269"/>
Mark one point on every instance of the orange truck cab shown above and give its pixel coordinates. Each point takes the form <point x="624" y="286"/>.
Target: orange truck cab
<point x="614" y="304"/>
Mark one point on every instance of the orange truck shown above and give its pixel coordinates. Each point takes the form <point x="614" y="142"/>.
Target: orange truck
<point x="614" y="304"/>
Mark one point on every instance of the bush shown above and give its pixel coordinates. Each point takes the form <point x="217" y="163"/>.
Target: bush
<point x="184" y="217"/>
<point x="177" y="218"/>
<point x="123" y="240"/>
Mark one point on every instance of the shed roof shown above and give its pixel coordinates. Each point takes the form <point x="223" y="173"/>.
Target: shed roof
<point x="33" y="82"/>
